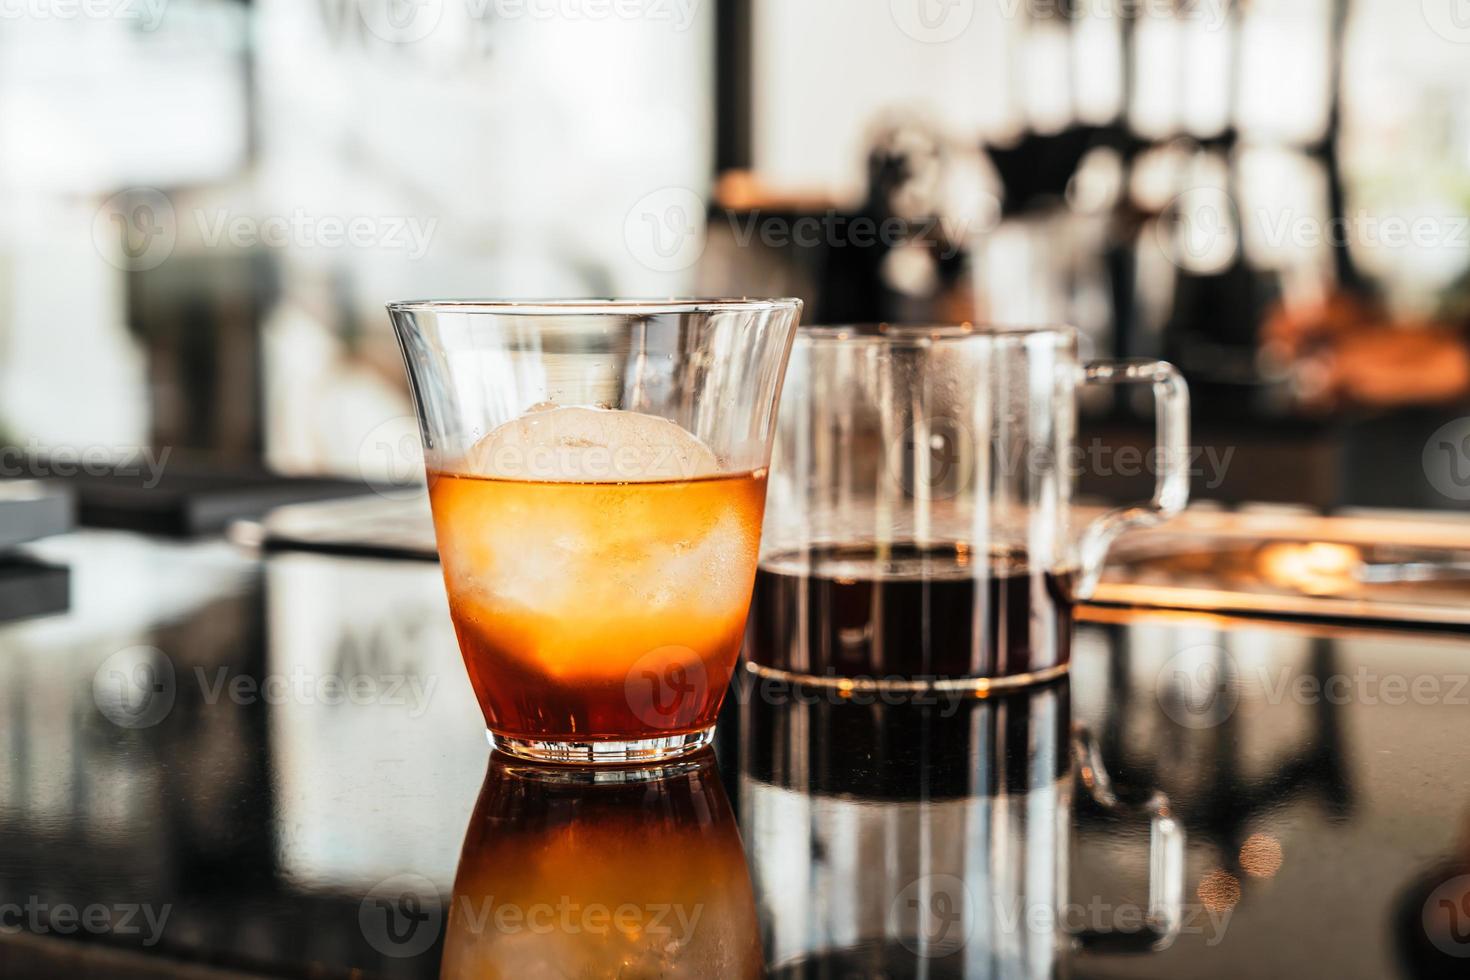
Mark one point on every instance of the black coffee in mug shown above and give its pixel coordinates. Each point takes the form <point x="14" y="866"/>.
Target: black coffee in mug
<point x="919" y="525"/>
<point x="910" y="612"/>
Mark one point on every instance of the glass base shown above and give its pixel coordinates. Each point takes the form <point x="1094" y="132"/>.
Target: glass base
<point x="639" y="751"/>
<point x="978" y="686"/>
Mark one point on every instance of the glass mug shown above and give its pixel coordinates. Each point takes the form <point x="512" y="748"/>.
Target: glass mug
<point x="597" y="476"/>
<point x="919" y="526"/>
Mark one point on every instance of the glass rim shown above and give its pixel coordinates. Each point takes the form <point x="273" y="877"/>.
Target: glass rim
<point x="594" y="306"/>
<point x="920" y="334"/>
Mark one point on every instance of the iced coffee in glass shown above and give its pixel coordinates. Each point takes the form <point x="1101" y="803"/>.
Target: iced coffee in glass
<point x="597" y="475"/>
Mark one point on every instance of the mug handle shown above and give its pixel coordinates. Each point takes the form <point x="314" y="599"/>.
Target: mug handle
<point x="1171" y="482"/>
<point x="1166" y="868"/>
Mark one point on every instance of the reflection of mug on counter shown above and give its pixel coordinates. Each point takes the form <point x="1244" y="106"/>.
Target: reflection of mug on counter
<point x="887" y="838"/>
<point x="575" y="873"/>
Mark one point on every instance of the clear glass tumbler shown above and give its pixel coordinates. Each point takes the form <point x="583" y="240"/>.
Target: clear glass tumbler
<point x="919" y="528"/>
<point x="597" y="474"/>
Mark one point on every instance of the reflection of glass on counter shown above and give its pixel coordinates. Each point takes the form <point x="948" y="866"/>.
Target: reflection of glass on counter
<point x="626" y="872"/>
<point x="955" y="866"/>
<point x="913" y="867"/>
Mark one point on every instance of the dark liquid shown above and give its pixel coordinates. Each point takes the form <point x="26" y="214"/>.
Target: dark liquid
<point x="906" y="611"/>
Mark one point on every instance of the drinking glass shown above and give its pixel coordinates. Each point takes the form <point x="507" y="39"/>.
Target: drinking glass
<point x="919" y="527"/>
<point x="597" y="474"/>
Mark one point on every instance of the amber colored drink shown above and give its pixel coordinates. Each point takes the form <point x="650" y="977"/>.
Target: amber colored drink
<point x="598" y="611"/>
<point x="581" y="877"/>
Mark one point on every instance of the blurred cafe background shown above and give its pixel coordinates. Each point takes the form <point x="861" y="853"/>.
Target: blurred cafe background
<point x="205" y="204"/>
<point x="209" y="201"/>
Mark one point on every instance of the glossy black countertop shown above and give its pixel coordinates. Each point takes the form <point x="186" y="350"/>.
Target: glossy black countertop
<point x="217" y="765"/>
